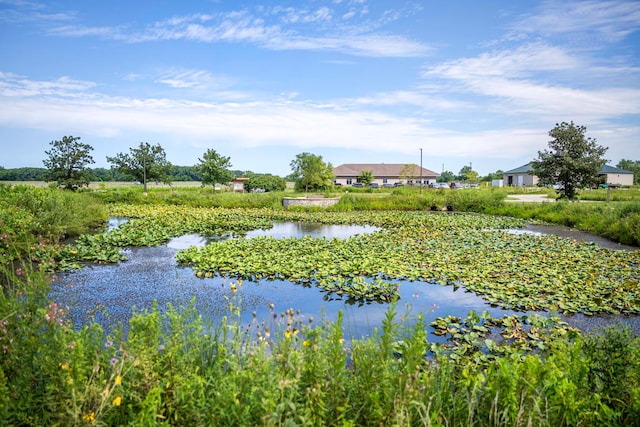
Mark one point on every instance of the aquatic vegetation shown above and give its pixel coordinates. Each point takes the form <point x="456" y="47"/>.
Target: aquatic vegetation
<point x="520" y="272"/>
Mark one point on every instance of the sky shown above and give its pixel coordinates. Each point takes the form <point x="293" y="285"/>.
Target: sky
<point x="445" y="84"/>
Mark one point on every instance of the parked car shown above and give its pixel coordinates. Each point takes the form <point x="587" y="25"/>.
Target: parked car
<point x="398" y="184"/>
<point x="439" y="185"/>
<point x="387" y="185"/>
<point x="374" y="185"/>
<point x="456" y="186"/>
<point x="357" y="184"/>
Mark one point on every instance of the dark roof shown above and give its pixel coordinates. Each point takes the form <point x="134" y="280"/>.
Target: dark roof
<point x="379" y="169"/>
<point x="522" y="169"/>
<point x="611" y="169"/>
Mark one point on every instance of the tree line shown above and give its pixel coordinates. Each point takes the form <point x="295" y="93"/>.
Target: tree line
<point x="573" y="161"/>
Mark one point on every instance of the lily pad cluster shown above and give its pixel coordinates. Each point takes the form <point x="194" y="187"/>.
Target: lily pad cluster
<point x="518" y="272"/>
<point x="483" y="338"/>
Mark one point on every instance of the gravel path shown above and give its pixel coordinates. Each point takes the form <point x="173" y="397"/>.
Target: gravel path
<point x="534" y="198"/>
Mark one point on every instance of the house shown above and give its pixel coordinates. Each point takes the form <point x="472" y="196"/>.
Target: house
<point x="384" y="174"/>
<point x="520" y="177"/>
<point x="238" y="184"/>
<point x="616" y="176"/>
<point x="524" y="177"/>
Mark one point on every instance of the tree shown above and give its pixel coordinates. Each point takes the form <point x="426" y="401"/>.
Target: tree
<point x="214" y="168"/>
<point x="467" y="174"/>
<point x="266" y="182"/>
<point x="573" y="160"/>
<point x="67" y="163"/>
<point x="366" y="177"/>
<point x="499" y="174"/>
<point x="143" y="163"/>
<point x="446" y="176"/>
<point x="310" y="172"/>
<point x="631" y="166"/>
<point x="410" y="173"/>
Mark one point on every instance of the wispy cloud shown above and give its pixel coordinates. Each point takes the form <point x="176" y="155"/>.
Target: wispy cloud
<point x="14" y="85"/>
<point x="518" y="82"/>
<point x="608" y="20"/>
<point x="19" y="12"/>
<point x="276" y="29"/>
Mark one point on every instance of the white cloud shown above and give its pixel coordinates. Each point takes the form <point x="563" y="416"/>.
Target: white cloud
<point x="283" y="122"/>
<point x="517" y="82"/>
<point x="612" y="20"/>
<point x="243" y="26"/>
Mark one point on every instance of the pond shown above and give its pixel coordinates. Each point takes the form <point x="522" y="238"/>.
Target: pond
<point x="108" y="293"/>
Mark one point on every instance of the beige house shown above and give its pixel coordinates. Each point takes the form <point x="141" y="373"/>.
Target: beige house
<point x="524" y="177"/>
<point x="616" y="176"/>
<point x="384" y="174"/>
<point x="520" y="177"/>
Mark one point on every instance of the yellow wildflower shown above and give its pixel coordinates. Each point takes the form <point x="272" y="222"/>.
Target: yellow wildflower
<point x="64" y="366"/>
<point x="117" y="401"/>
<point x="118" y="380"/>
<point x="306" y="343"/>
<point x="89" y="418"/>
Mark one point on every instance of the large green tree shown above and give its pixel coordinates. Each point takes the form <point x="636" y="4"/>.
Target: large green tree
<point x="266" y="182"/>
<point x="67" y="163"/>
<point x="214" y="168"/>
<point x="467" y="174"/>
<point x="573" y="160"/>
<point x="446" y="176"/>
<point x="144" y="163"/>
<point x="310" y="172"/>
<point x="631" y="166"/>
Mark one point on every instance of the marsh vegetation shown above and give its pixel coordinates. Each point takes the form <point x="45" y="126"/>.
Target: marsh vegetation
<point x="174" y="365"/>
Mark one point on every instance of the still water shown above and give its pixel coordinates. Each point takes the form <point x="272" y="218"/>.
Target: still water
<point x="108" y="293"/>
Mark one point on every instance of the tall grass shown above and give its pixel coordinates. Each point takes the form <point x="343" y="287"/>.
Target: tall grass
<point x="34" y="221"/>
<point x="176" y="368"/>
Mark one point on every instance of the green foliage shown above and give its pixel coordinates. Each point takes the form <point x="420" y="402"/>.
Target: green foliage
<point x="631" y="166"/>
<point x="215" y="168"/>
<point x="467" y="174"/>
<point x="67" y="163"/>
<point x="366" y="177"/>
<point x="447" y="176"/>
<point x="23" y="174"/>
<point x="266" y="182"/>
<point x="147" y="162"/>
<point x="311" y="173"/>
<point x="573" y="160"/>
<point x="614" y="366"/>
<point x="33" y="222"/>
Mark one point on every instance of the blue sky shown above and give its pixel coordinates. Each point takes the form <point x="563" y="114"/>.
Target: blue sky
<point x="469" y="82"/>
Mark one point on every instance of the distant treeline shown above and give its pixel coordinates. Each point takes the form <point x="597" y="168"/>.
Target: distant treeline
<point x="179" y="173"/>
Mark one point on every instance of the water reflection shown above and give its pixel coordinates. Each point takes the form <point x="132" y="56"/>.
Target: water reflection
<point x="108" y="293"/>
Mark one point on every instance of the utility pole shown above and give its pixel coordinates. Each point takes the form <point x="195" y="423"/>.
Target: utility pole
<point x="421" y="171"/>
<point x="144" y="171"/>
